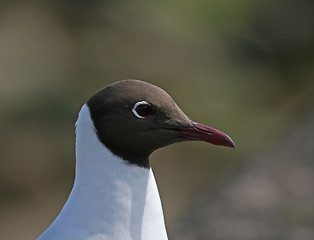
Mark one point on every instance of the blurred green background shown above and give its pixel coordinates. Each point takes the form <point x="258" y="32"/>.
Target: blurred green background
<point x="244" y="67"/>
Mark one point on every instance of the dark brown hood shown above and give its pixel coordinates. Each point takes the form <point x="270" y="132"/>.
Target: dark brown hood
<point x="133" y="137"/>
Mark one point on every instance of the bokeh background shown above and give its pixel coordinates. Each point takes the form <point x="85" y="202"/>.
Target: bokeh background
<point x="245" y="67"/>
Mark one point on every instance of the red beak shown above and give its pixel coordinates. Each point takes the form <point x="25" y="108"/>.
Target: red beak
<point x="207" y="134"/>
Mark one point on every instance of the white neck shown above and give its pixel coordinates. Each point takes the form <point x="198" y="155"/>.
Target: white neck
<point x="111" y="199"/>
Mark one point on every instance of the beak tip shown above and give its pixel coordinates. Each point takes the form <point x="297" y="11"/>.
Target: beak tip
<point x="232" y="145"/>
<point x="208" y="134"/>
<point x="229" y="142"/>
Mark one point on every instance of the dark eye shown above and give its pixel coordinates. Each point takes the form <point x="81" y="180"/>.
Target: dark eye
<point x="142" y="109"/>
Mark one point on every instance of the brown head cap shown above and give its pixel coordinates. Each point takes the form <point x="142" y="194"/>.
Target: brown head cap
<point x="133" y="118"/>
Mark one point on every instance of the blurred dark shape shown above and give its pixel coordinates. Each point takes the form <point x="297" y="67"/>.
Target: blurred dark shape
<point x="280" y="35"/>
<point x="78" y="13"/>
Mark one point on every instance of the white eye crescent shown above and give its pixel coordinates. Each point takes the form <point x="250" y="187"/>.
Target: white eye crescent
<point x="142" y="109"/>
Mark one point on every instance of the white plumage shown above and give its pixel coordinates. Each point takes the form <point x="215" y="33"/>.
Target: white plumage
<point x="111" y="199"/>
